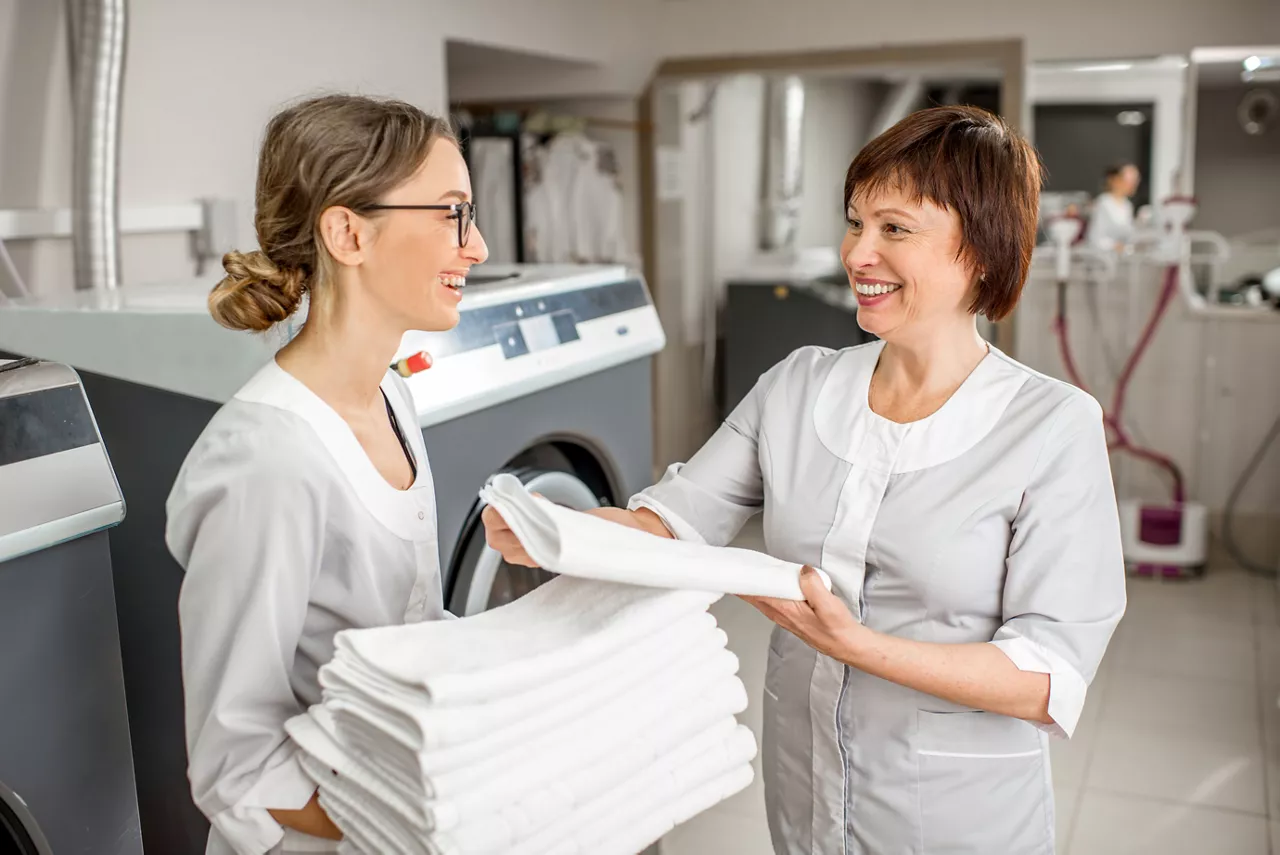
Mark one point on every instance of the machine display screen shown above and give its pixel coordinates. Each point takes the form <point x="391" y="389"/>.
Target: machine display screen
<point x="44" y="422"/>
<point x="541" y="332"/>
<point x="526" y="326"/>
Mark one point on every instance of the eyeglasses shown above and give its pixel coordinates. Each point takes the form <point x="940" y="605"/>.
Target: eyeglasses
<point x="463" y="212"/>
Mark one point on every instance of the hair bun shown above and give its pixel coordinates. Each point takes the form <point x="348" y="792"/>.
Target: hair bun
<point x="256" y="294"/>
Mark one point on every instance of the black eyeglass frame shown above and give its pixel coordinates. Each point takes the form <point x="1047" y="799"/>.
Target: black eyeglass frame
<point x="463" y="212"/>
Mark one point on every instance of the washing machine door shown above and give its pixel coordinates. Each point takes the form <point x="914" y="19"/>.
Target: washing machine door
<point x="481" y="580"/>
<point x="19" y="834"/>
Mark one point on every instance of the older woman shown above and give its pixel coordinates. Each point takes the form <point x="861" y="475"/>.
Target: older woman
<point x="962" y="504"/>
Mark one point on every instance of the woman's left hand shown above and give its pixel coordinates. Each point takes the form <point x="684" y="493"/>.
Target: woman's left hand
<point x="821" y="619"/>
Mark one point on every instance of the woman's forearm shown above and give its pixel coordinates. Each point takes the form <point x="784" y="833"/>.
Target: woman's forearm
<point x="980" y="676"/>
<point x="641" y="518"/>
<point x="311" y="819"/>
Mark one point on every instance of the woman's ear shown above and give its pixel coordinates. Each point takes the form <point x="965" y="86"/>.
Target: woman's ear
<point x="346" y="235"/>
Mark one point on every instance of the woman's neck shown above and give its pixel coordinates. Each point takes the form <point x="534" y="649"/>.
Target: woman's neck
<point x="342" y="354"/>
<point x="933" y="363"/>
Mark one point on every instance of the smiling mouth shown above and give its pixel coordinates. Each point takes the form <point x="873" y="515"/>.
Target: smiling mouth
<point x="453" y="281"/>
<point x="876" y="289"/>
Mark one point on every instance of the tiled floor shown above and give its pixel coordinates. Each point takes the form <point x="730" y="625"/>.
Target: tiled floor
<point x="1178" y="750"/>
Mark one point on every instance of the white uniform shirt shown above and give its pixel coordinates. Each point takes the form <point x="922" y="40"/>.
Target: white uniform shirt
<point x="1110" y="222"/>
<point x="288" y="534"/>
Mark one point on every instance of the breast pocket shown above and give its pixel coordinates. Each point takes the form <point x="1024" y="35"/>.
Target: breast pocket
<point x="983" y="785"/>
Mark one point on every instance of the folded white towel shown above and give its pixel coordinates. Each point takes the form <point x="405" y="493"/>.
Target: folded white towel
<point x="647" y="806"/>
<point x="696" y="759"/>
<point x="635" y="831"/>
<point x="574" y="762"/>
<point x="407" y="716"/>
<point x="558" y="628"/>
<point x="577" y="544"/>
<point x="457" y="769"/>
<point x="683" y="781"/>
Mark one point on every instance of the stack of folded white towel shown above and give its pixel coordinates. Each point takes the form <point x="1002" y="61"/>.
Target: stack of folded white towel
<point x="589" y="716"/>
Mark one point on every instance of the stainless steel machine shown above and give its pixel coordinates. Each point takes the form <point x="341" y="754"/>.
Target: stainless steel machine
<point x="66" y="768"/>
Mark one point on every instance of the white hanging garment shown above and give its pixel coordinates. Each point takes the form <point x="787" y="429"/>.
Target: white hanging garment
<point x="493" y="188"/>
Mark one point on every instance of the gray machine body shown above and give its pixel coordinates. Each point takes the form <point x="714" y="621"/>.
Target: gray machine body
<point x="765" y="321"/>
<point x="600" y="425"/>
<point x="66" y="766"/>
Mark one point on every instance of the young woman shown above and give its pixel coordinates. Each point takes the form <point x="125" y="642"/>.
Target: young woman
<point x="307" y="507"/>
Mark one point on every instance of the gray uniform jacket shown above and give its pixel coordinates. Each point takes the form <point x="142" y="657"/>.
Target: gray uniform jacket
<point x="993" y="520"/>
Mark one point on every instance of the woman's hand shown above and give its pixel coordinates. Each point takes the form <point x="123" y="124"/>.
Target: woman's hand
<point x="501" y="538"/>
<point x="311" y="819"/>
<point x="821" y="620"/>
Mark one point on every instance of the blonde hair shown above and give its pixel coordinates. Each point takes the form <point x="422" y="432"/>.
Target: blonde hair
<point x="336" y="150"/>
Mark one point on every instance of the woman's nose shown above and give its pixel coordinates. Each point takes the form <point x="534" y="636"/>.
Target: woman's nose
<point x="859" y="251"/>
<point x="476" y="250"/>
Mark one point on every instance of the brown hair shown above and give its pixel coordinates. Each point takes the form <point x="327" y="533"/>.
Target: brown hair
<point x="336" y="150"/>
<point x="971" y="162"/>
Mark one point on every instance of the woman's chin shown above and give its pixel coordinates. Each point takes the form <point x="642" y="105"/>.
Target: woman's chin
<point x="875" y="323"/>
<point x="438" y="320"/>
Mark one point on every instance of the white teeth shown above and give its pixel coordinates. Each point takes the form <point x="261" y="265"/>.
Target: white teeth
<point x="449" y="281"/>
<point x="868" y="290"/>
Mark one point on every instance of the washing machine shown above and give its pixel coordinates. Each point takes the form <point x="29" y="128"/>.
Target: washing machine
<point x="547" y="375"/>
<point x="66" y="767"/>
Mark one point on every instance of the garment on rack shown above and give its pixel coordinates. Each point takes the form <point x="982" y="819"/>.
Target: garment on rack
<point x="493" y="176"/>
<point x="573" y="201"/>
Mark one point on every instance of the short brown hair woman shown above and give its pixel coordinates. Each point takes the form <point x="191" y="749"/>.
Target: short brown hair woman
<point x="962" y="504"/>
<point x="306" y="507"/>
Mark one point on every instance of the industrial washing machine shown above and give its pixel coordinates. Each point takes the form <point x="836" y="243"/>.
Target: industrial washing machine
<point x="66" y="768"/>
<point x="548" y="375"/>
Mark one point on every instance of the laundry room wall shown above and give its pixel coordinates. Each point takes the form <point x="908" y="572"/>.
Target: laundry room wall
<point x="837" y="121"/>
<point x="202" y="77"/>
<point x="1086" y="29"/>
<point x="201" y="80"/>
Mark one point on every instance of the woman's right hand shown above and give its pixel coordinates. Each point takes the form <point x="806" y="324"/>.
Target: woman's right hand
<point x="502" y="539"/>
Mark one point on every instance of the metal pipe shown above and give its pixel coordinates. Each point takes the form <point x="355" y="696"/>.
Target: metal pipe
<point x="903" y="99"/>
<point x="783" y="161"/>
<point x="96" y="36"/>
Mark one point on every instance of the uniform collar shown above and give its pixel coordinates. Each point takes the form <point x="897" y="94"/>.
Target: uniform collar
<point x="849" y="429"/>
<point x="404" y="512"/>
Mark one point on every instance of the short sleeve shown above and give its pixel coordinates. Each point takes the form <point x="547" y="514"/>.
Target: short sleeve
<point x="710" y="498"/>
<point x="1065" y="583"/>
<point x="247" y="528"/>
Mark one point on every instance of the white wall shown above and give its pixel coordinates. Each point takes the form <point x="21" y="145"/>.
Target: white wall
<point x="837" y="119"/>
<point x="1085" y="29"/>
<point x="202" y="79"/>
<point x="738" y="129"/>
